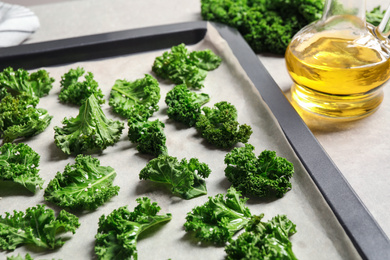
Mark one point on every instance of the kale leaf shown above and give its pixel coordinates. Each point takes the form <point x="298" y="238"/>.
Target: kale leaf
<point x="184" y="177"/>
<point x="184" y="67"/>
<point x="91" y="130"/>
<point x="219" y="218"/>
<point x="76" y="92"/>
<point x="219" y="126"/>
<point x="143" y="92"/>
<point x="184" y="105"/>
<point x="83" y="185"/>
<point x="19" y="257"/>
<point x="19" y="163"/>
<point x="118" y="233"/>
<point x="264" y="240"/>
<point x="19" y="117"/>
<point x="261" y="176"/>
<point x="36" y="84"/>
<point x="267" y="25"/>
<point x="148" y="135"/>
<point x="37" y="226"/>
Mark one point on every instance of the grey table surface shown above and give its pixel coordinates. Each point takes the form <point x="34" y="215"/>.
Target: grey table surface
<point x="360" y="149"/>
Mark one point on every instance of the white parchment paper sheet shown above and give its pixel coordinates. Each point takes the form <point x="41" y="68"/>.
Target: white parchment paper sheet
<point x="319" y="234"/>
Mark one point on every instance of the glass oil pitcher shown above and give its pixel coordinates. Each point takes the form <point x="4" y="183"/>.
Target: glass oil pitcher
<point x="340" y="63"/>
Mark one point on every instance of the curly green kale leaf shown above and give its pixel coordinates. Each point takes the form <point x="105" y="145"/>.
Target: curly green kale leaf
<point x="76" y="92"/>
<point x="20" y="118"/>
<point x="219" y="126"/>
<point x="143" y="92"/>
<point x="184" y="105"/>
<point x="261" y="176"/>
<point x="267" y="25"/>
<point x="36" y="122"/>
<point x="264" y="240"/>
<point x="118" y="233"/>
<point x="19" y="257"/>
<point x="148" y="135"/>
<point x="36" y="84"/>
<point x="184" y="67"/>
<point x="205" y="59"/>
<point x="91" y="130"/>
<point x="19" y="163"/>
<point x="83" y="185"/>
<point x="219" y="218"/>
<point x="185" y="177"/>
<point x="37" y="226"/>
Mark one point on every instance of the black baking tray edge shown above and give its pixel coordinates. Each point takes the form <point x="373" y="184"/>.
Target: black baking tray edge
<point x="364" y="232"/>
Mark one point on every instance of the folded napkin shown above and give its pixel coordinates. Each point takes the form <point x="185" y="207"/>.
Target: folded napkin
<point x="17" y="23"/>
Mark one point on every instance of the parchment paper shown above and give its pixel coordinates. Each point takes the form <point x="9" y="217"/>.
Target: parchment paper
<point x="319" y="234"/>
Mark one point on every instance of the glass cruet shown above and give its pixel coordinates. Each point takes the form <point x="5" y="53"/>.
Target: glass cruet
<point x="340" y="63"/>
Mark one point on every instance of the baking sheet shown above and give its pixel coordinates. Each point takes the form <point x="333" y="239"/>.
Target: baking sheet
<point x="318" y="229"/>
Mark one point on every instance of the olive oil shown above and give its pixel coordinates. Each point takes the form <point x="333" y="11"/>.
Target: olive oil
<point x="337" y="75"/>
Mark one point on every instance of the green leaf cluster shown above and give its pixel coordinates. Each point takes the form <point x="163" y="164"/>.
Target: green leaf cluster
<point x="219" y="126"/>
<point x="261" y="176"/>
<point x="20" y="118"/>
<point x="144" y="93"/>
<point x="267" y="25"/>
<point x="83" y="185"/>
<point x="20" y="92"/>
<point x="20" y="257"/>
<point x="36" y="226"/>
<point x="223" y="216"/>
<point x="91" y="130"/>
<point x="118" y="233"/>
<point x="185" y="178"/>
<point x="184" y="105"/>
<point x="19" y="163"/>
<point x="74" y="91"/>
<point x="184" y="67"/>
<point x="149" y="136"/>
<point x="137" y="101"/>
<point x="264" y="240"/>
<point x="218" y="219"/>
<point x="36" y="84"/>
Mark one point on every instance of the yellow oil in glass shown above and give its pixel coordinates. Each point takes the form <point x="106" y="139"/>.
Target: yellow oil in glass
<point x="337" y="76"/>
